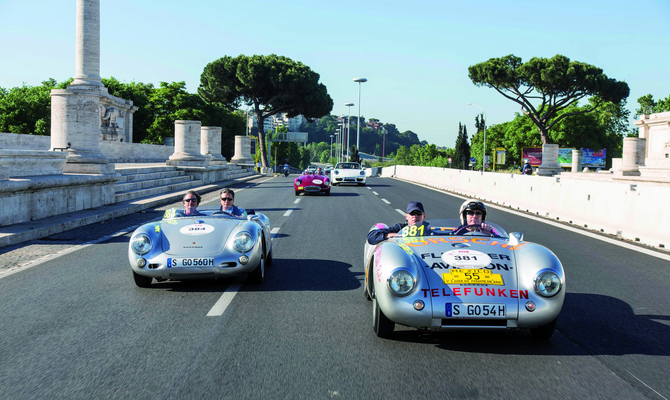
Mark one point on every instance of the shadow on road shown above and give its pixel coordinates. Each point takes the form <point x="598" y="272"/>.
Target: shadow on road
<point x="292" y="275"/>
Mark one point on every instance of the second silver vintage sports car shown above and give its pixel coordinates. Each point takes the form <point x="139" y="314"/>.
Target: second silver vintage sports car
<point x="209" y="245"/>
<point x="442" y="278"/>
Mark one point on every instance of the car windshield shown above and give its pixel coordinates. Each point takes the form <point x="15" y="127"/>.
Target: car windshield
<point x="178" y="213"/>
<point x="348" y="166"/>
<point x="450" y="226"/>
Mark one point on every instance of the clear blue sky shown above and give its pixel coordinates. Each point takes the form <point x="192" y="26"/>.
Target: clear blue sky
<point x="415" y="54"/>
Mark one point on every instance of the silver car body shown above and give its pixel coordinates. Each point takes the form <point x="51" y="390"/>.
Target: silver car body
<point x="432" y="260"/>
<point x="348" y="172"/>
<point x="201" y="247"/>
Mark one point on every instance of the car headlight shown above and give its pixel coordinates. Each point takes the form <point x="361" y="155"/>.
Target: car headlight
<point x="326" y="182"/>
<point x="547" y="283"/>
<point x="243" y="242"/>
<point x="141" y="244"/>
<point x="401" y="282"/>
<point x="362" y="172"/>
<point x="337" y="172"/>
<point x="298" y="182"/>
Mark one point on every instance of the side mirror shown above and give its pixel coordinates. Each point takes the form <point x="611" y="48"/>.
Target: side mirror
<point x="515" y="238"/>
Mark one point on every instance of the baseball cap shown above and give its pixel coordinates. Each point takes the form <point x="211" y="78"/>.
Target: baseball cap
<point x="414" y="206"/>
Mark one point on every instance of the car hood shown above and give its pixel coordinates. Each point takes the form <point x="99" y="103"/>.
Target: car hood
<point x="442" y="258"/>
<point x="196" y="236"/>
<point x="348" y="172"/>
<point x="313" y="179"/>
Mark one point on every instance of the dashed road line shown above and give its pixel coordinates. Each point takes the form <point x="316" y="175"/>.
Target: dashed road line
<point x="288" y="212"/>
<point x="386" y="201"/>
<point x="400" y="211"/>
<point x="273" y="232"/>
<point x="375" y="193"/>
<point x="297" y="201"/>
<point x="226" y="298"/>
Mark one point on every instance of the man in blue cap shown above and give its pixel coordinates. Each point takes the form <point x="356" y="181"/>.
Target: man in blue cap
<point x="415" y="225"/>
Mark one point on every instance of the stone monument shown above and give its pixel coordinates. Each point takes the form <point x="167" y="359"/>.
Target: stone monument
<point x="242" y="150"/>
<point x="210" y="145"/>
<point x="549" y="166"/>
<point x="187" y="145"/>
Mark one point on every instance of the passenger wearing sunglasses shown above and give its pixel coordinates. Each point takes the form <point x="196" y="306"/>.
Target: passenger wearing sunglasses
<point x="191" y="202"/>
<point x="227" y="197"/>
<point x="473" y="214"/>
<point x="415" y="225"/>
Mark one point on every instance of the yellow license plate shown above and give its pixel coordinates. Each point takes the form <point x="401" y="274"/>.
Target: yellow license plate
<point x="472" y="276"/>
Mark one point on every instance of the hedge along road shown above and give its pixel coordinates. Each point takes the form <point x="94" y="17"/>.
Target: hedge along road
<point x="76" y="326"/>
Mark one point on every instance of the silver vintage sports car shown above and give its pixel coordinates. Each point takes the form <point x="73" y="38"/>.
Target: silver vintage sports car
<point x="442" y="278"/>
<point x="210" y="245"/>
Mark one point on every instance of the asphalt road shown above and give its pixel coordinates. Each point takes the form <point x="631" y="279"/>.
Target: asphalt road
<point x="75" y="326"/>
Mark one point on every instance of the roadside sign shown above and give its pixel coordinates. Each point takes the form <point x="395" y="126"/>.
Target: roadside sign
<point x="472" y="159"/>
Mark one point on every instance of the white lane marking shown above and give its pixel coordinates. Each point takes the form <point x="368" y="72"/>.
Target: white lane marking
<point x="297" y="201"/>
<point x="650" y="388"/>
<point x="273" y="232"/>
<point x="619" y="243"/>
<point x="287" y="213"/>
<point x="369" y="188"/>
<point x="400" y="211"/>
<point x="375" y="193"/>
<point x="386" y="201"/>
<point x="224" y="301"/>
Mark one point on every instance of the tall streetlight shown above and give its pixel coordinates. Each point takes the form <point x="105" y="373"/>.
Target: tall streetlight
<point x="358" y="127"/>
<point x="484" y="158"/>
<point x="331" y="146"/>
<point x="343" y="136"/>
<point x="348" y="126"/>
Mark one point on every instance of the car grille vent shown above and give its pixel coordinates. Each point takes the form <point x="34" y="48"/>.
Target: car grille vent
<point x="474" y="322"/>
<point x="153" y="266"/>
<point x="228" y="264"/>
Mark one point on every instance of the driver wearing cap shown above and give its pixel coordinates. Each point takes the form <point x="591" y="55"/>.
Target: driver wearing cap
<point x="415" y="225"/>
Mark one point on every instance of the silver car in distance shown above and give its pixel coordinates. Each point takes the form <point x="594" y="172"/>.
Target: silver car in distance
<point x="449" y="279"/>
<point x="212" y="245"/>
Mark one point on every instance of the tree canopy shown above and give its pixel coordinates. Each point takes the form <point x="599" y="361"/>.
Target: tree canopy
<point x="556" y="83"/>
<point x="271" y="84"/>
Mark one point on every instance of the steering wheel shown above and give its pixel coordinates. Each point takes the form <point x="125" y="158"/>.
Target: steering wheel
<point x="471" y="229"/>
<point x="221" y="213"/>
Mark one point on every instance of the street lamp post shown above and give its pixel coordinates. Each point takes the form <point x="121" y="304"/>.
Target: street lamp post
<point x="348" y="126"/>
<point x="331" y="146"/>
<point x="484" y="112"/>
<point x="358" y="127"/>
<point x="383" y="142"/>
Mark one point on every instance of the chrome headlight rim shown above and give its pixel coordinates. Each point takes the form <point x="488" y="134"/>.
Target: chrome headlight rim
<point x="394" y="282"/>
<point x="141" y="244"/>
<point x="243" y="242"/>
<point x="541" y="287"/>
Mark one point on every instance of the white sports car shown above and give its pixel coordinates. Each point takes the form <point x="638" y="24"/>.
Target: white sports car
<point x="348" y="172"/>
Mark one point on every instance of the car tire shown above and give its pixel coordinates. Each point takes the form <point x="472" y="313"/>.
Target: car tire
<point x="544" y="332"/>
<point x="142" y="281"/>
<point x="361" y="184"/>
<point x="382" y="326"/>
<point x="269" y="259"/>
<point x="327" y="192"/>
<point x="335" y="184"/>
<point x="297" y="193"/>
<point x="256" y="276"/>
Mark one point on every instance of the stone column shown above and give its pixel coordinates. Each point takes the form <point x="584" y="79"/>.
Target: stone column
<point x="633" y="156"/>
<point x="187" y="145"/>
<point x="549" y="166"/>
<point x="87" y="55"/>
<point x="210" y="144"/>
<point x="242" y="150"/>
<point x="577" y="157"/>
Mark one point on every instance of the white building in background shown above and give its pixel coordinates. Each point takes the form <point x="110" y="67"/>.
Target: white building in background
<point x="274" y="121"/>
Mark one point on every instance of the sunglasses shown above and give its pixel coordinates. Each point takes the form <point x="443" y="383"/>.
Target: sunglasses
<point x="477" y="213"/>
<point x="226" y="199"/>
<point x="190" y="200"/>
<point x="416" y="213"/>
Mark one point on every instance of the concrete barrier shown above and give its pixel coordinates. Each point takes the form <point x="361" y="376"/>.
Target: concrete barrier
<point x="634" y="211"/>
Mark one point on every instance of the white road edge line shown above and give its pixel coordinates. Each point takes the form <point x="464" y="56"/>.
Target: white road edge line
<point x="386" y="201"/>
<point x="567" y="228"/>
<point x="224" y="301"/>
<point x="287" y="213"/>
<point x="400" y="211"/>
<point x="650" y="388"/>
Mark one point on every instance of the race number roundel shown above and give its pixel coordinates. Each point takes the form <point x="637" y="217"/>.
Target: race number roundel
<point x="466" y="258"/>
<point x="317" y="181"/>
<point x="197" y="229"/>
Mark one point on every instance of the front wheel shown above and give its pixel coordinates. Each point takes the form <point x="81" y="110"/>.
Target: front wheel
<point x="545" y="331"/>
<point x="297" y="193"/>
<point x="142" y="281"/>
<point x="257" y="275"/>
<point x="382" y="326"/>
<point x="327" y="192"/>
